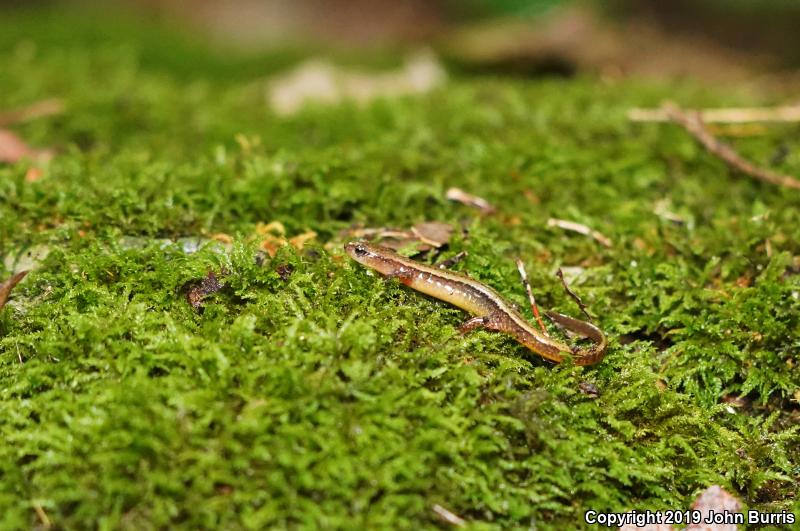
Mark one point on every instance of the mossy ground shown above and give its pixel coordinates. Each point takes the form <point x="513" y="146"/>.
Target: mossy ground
<point x="332" y="398"/>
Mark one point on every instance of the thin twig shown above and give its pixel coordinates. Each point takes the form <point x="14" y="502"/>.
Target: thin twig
<point x="448" y="516"/>
<point x="42" y="516"/>
<point x="38" y="109"/>
<point x="524" y="276"/>
<point x="734" y="115"/>
<point x="694" y="125"/>
<point x="460" y="196"/>
<point x="581" y="305"/>
<point x="573" y="226"/>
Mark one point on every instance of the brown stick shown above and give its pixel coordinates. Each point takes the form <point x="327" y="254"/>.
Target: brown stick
<point x="524" y="276"/>
<point x="693" y="123"/>
<point x="35" y="110"/>
<point x="581" y="305"/>
<point x="733" y="115"/>
<point x="8" y="285"/>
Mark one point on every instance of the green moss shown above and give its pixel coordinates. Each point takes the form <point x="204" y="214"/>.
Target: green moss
<point x="330" y="397"/>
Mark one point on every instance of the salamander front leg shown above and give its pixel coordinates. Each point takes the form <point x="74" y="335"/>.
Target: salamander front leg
<point x="453" y="260"/>
<point x="402" y="275"/>
<point x="474" y="324"/>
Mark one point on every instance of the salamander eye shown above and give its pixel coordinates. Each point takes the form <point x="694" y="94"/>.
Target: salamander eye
<point x="360" y="250"/>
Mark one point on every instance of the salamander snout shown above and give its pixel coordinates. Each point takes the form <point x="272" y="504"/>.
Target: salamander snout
<point x="360" y="251"/>
<point x="375" y="257"/>
<point x="356" y="249"/>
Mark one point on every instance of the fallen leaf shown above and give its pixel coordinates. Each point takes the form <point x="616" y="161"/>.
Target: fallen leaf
<point x="300" y="240"/>
<point x="12" y="148"/>
<point x="271" y="243"/>
<point x="8" y="285"/>
<point x="714" y="499"/>
<point x="284" y="271"/>
<point x="222" y="238"/>
<point x="433" y="233"/>
<point x="321" y="81"/>
<point x="420" y="238"/>
<point x="273" y="227"/>
<point x="198" y="291"/>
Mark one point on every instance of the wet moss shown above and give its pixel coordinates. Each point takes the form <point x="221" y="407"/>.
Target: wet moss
<point x="327" y="397"/>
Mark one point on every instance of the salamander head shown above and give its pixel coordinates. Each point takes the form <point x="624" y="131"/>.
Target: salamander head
<point x="378" y="258"/>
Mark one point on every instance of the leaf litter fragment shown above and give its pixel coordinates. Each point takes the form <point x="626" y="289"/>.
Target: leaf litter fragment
<point x="460" y="196"/>
<point x="713" y="499"/>
<point x="448" y="516"/>
<point x="580" y="229"/>
<point x="419" y="238"/>
<point x="13" y="149"/>
<point x="273" y="236"/>
<point x="198" y="291"/>
<point x="320" y="81"/>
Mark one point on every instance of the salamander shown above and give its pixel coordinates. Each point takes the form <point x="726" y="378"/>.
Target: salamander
<point x="490" y="310"/>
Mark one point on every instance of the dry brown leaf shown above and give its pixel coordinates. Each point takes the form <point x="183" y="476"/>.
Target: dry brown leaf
<point x="273" y="236"/>
<point x="300" y="240"/>
<point x="271" y="243"/>
<point x="714" y="499"/>
<point x="647" y="527"/>
<point x="321" y="81"/>
<point x="12" y="147"/>
<point x="423" y="236"/>
<point x="222" y="238"/>
<point x="8" y="285"/>
<point x="273" y="227"/>
<point x="200" y="290"/>
<point x="433" y="233"/>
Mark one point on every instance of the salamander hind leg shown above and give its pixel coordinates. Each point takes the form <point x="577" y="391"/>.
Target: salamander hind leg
<point x="478" y="322"/>
<point x="473" y="324"/>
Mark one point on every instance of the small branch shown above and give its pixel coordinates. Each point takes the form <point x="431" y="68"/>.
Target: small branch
<point x="524" y="276"/>
<point x="35" y="110"/>
<point x="580" y="229"/>
<point x="581" y="305"/>
<point x="740" y="115"/>
<point x="42" y="516"/>
<point x="693" y="123"/>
